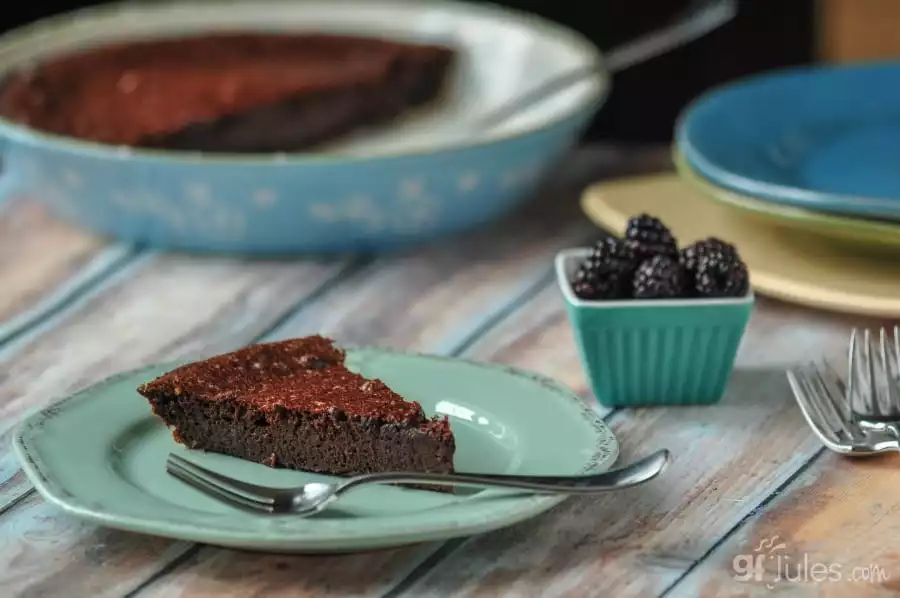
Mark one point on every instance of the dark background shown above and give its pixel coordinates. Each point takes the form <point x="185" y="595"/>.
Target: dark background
<point x="646" y="99"/>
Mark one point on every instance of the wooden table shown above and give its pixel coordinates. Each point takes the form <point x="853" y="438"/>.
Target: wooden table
<point x="748" y="478"/>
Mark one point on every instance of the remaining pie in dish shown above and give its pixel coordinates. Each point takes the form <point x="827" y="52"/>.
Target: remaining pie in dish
<point x="295" y="404"/>
<point x="227" y="92"/>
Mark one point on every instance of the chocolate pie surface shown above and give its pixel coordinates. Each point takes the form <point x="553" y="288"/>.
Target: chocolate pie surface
<point x="227" y="92"/>
<point x="294" y="404"/>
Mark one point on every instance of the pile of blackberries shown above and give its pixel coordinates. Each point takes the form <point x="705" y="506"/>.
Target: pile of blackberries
<point x="647" y="264"/>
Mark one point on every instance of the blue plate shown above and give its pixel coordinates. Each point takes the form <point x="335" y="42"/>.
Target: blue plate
<point x="825" y="138"/>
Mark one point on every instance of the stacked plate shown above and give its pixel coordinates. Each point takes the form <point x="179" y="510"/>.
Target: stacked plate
<point x="814" y="148"/>
<point x="802" y="169"/>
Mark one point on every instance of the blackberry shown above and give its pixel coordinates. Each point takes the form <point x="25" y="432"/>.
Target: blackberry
<point x="647" y="236"/>
<point x="607" y="273"/>
<point x="715" y="269"/>
<point x="691" y="254"/>
<point x="660" y="277"/>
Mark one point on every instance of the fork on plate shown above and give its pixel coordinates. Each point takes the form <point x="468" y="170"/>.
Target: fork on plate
<point x="313" y="497"/>
<point x="862" y="416"/>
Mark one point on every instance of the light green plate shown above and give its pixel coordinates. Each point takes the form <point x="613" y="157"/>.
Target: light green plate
<point x="842" y="228"/>
<point x="100" y="456"/>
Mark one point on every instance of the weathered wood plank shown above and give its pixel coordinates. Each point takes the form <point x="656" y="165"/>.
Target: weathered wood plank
<point x="213" y="572"/>
<point x="538" y="338"/>
<point x="44" y="554"/>
<point x="43" y="261"/>
<point x="433" y="301"/>
<point x="830" y="532"/>
<point x="14" y="487"/>
<point x="443" y="289"/>
<point x="727" y="459"/>
<point x="170" y="306"/>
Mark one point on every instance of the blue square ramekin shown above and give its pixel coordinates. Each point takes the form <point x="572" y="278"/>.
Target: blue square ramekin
<point x="654" y="352"/>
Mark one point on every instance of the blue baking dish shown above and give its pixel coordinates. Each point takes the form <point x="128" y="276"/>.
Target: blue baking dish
<point x="420" y="180"/>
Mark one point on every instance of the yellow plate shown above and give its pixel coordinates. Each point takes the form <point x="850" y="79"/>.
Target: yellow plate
<point x="783" y="263"/>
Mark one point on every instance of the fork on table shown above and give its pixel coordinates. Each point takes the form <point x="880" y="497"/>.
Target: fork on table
<point x="862" y="416"/>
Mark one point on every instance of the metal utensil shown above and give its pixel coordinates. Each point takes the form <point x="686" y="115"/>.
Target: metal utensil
<point x="696" y="22"/>
<point x="874" y="392"/>
<point x="861" y="417"/>
<point x="313" y="497"/>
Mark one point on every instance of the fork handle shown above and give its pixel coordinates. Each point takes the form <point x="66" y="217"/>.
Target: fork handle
<point x="631" y="475"/>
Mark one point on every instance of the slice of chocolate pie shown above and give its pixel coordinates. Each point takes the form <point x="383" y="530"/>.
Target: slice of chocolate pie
<point x="294" y="404"/>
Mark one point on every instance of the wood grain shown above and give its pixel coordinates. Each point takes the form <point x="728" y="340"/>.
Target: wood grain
<point x="14" y="487"/>
<point x="170" y="306"/>
<point x="41" y="257"/>
<point x="538" y="338"/>
<point x="45" y="554"/>
<point x="727" y="459"/>
<point x="430" y="299"/>
<point x="214" y="572"/>
<point x="835" y="524"/>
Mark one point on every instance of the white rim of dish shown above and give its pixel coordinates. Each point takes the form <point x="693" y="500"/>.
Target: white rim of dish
<point x="126" y="9"/>
<point x="566" y="257"/>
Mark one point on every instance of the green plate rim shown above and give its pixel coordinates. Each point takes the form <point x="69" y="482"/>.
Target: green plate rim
<point x="506" y="510"/>
<point x="859" y="230"/>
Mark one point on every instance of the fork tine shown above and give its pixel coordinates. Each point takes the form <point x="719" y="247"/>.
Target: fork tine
<point x="896" y="350"/>
<point x="246" y="489"/>
<point x="812" y="414"/>
<point x="217" y="492"/>
<point x="830" y="404"/>
<point x="892" y="367"/>
<point x="886" y="390"/>
<point x="837" y="390"/>
<point x="825" y="416"/>
<point x="853" y="390"/>
<point x="874" y="408"/>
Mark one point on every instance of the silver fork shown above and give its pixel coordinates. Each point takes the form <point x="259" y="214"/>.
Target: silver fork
<point x="874" y="389"/>
<point x="860" y="418"/>
<point x="313" y="497"/>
